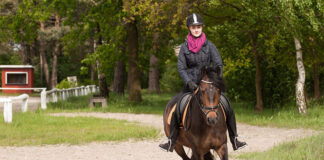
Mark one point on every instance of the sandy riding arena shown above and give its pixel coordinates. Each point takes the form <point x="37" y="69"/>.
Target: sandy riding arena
<point x="147" y="149"/>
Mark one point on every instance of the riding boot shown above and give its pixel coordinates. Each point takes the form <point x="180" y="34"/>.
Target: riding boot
<point x="174" y="132"/>
<point x="231" y="126"/>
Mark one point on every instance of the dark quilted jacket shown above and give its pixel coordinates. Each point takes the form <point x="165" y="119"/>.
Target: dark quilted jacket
<point x="190" y="64"/>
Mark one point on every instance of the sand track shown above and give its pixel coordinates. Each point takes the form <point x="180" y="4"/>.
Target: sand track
<point x="258" y="139"/>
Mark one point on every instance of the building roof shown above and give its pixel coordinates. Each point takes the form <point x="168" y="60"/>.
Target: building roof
<point x="16" y="66"/>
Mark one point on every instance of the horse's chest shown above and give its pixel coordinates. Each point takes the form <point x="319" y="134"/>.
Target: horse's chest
<point x="214" y="141"/>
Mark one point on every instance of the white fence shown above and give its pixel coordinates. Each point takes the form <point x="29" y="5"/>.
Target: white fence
<point x="62" y="94"/>
<point x="46" y="96"/>
<point x="7" y="109"/>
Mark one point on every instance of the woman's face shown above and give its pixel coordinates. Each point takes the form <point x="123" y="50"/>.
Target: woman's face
<point x="196" y="30"/>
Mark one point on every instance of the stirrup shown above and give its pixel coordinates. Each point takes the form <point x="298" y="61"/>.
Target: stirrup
<point x="168" y="148"/>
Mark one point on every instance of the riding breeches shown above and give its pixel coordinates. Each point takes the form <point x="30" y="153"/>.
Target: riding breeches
<point x="230" y="119"/>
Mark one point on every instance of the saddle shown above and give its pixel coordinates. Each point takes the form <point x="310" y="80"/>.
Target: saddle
<point x="181" y="110"/>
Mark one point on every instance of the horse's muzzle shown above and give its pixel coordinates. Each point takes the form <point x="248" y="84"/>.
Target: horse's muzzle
<point x="212" y="119"/>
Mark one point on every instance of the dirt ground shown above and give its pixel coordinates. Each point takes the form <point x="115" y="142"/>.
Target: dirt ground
<point x="258" y="139"/>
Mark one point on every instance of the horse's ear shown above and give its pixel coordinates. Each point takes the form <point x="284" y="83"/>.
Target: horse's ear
<point x="203" y="71"/>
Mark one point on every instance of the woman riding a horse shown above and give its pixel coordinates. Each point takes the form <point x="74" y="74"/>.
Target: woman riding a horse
<point x="195" y="53"/>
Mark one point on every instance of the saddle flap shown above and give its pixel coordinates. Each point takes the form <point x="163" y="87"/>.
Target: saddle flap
<point x="181" y="109"/>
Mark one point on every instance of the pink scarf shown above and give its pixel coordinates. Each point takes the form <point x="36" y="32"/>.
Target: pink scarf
<point x="195" y="43"/>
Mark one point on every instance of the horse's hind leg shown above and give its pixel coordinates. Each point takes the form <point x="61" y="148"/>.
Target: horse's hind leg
<point x="208" y="156"/>
<point x="180" y="151"/>
<point x="223" y="152"/>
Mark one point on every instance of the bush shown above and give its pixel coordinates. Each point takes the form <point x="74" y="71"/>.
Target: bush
<point x="65" y="84"/>
<point x="171" y="81"/>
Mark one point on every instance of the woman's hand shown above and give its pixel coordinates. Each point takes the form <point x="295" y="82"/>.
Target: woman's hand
<point x="192" y="86"/>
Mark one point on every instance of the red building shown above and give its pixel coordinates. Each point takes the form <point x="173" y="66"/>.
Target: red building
<point x="17" y="76"/>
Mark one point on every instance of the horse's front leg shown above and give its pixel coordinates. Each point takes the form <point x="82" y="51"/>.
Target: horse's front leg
<point x="208" y="156"/>
<point x="197" y="156"/>
<point x="222" y="152"/>
<point x="180" y="151"/>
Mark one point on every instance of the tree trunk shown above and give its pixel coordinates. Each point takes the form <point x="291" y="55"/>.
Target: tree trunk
<point x="154" y="75"/>
<point x="119" y="77"/>
<point x="28" y="54"/>
<point x="258" y="75"/>
<point x="133" y="68"/>
<point x="23" y="50"/>
<point x="44" y="64"/>
<point x="300" y="97"/>
<point x="316" y="75"/>
<point x="93" y="72"/>
<point x="92" y="65"/>
<point x="55" y="53"/>
<point x="154" y="68"/>
<point x="34" y="52"/>
<point x="316" y="82"/>
<point x="103" y="87"/>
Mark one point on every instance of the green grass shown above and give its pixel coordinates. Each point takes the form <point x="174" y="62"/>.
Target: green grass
<point x="39" y="129"/>
<point x="34" y="94"/>
<point x="287" y="116"/>
<point x="151" y="104"/>
<point x="311" y="148"/>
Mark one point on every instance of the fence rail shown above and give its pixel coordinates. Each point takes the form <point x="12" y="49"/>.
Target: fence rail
<point x="62" y="94"/>
<point x="7" y="109"/>
<point x="46" y="96"/>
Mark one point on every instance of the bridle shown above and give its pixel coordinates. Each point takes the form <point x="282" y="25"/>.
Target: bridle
<point x="202" y="106"/>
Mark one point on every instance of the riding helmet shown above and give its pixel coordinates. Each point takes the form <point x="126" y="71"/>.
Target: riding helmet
<point x="194" y="20"/>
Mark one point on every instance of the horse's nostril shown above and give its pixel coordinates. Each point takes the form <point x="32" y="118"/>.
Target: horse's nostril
<point x="211" y="120"/>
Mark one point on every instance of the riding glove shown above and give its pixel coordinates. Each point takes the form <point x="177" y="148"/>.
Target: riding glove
<point x="192" y="86"/>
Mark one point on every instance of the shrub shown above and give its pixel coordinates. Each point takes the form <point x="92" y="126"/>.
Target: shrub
<point x="65" y="84"/>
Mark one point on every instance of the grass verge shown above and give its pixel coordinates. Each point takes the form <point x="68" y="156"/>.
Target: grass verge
<point x="311" y="148"/>
<point x="151" y="104"/>
<point x="286" y="116"/>
<point x="39" y="129"/>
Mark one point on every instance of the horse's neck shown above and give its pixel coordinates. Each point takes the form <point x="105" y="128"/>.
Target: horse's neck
<point x="197" y="119"/>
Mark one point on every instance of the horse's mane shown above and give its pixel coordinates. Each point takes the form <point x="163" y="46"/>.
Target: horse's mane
<point x="213" y="74"/>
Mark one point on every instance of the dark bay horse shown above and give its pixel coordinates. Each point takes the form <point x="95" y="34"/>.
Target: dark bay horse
<point x="207" y="121"/>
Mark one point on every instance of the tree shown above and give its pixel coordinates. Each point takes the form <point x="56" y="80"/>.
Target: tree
<point x="133" y="68"/>
<point x="154" y="70"/>
<point x="301" y="20"/>
<point x="300" y="85"/>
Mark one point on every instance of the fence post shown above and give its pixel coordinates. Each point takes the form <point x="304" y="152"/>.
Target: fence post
<point x="43" y="99"/>
<point x="63" y="94"/>
<point x="93" y="88"/>
<point x="67" y="95"/>
<point x="24" y="104"/>
<point x="60" y="92"/>
<point x="54" y="95"/>
<point x="76" y="91"/>
<point x="86" y="90"/>
<point x="7" y="111"/>
<point x="82" y="90"/>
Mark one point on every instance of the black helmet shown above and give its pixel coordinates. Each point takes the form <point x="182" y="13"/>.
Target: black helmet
<point x="194" y="20"/>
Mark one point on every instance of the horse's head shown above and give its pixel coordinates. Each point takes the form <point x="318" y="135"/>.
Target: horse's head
<point x="210" y="88"/>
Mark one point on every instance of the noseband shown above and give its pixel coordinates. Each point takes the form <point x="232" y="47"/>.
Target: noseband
<point x="202" y="106"/>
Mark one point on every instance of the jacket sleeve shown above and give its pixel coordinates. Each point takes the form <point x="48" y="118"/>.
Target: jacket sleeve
<point x="182" y="65"/>
<point x="216" y="59"/>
